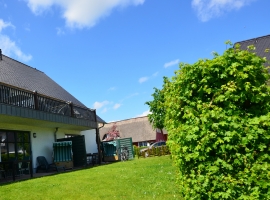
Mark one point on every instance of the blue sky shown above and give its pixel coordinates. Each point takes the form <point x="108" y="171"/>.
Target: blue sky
<point x="110" y="54"/>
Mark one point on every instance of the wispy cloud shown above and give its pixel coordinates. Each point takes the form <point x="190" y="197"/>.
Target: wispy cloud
<point x="97" y="105"/>
<point x="171" y="63"/>
<point x="4" y="25"/>
<point x="112" y="89"/>
<point x="81" y="13"/>
<point x="2" y="4"/>
<point x="8" y="46"/>
<point x="145" y="113"/>
<point x="104" y="110"/>
<point x="116" y="106"/>
<point x="207" y="9"/>
<point x="146" y="78"/>
<point x="155" y="74"/>
<point x="143" y="79"/>
<point x="114" y="121"/>
<point x="130" y="96"/>
<point x="27" y="27"/>
<point x="60" y="31"/>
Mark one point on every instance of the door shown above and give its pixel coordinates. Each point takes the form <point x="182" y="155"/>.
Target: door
<point x="14" y="145"/>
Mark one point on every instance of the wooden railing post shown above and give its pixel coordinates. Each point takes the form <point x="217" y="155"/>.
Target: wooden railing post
<point x="71" y="109"/>
<point x="36" y="100"/>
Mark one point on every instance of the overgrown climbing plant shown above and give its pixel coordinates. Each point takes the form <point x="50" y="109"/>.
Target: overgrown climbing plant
<point x="218" y="123"/>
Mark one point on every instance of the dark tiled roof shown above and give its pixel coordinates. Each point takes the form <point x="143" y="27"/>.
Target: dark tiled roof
<point x="261" y="44"/>
<point x="22" y="76"/>
<point x="17" y="74"/>
<point x="100" y="120"/>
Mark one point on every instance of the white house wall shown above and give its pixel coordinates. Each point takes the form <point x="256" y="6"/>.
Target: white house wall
<point x="90" y="141"/>
<point x="42" y="144"/>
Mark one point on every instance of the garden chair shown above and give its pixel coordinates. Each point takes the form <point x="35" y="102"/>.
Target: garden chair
<point x="44" y="165"/>
<point x="3" y="174"/>
<point x="9" y="169"/>
<point x="25" y="166"/>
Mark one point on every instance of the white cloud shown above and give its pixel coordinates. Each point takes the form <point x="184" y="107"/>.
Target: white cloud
<point x="116" y="106"/>
<point x="5" y="25"/>
<point x="8" y="46"/>
<point x="171" y="63"/>
<point x="146" y="78"/>
<point x="130" y="96"/>
<point x="145" y="113"/>
<point x="155" y="74"/>
<point x="207" y="9"/>
<point x="81" y="13"/>
<point x="104" y="110"/>
<point x="143" y="79"/>
<point x="60" y="31"/>
<point x="97" y="105"/>
<point x="112" y="88"/>
<point x="3" y="4"/>
<point x="27" y="27"/>
<point x="114" y="121"/>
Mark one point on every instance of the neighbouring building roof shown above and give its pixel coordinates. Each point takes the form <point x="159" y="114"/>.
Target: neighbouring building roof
<point x="19" y="75"/>
<point x="138" y="128"/>
<point x="261" y="44"/>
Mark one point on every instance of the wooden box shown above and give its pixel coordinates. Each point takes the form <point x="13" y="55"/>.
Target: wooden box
<point x="110" y="158"/>
<point x="66" y="164"/>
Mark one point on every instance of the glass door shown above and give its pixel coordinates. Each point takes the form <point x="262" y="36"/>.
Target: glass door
<point x="14" y="145"/>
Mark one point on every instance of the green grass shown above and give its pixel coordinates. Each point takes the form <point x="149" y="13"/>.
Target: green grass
<point x="150" y="178"/>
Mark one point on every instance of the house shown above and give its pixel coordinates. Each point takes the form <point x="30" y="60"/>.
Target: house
<point x="262" y="45"/>
<point x="139" y="129"/>
<point x="35" y="111"/>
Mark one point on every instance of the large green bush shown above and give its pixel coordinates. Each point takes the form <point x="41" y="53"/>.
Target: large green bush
<point x="218" y="120"/>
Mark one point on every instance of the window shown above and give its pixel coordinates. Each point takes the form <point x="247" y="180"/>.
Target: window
<point x="14" y="145"/>
<point x="70" y="135"/>
<point x="142" y="144"/>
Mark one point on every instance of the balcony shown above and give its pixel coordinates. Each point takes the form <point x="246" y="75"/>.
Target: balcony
<point x="28" y="107"/>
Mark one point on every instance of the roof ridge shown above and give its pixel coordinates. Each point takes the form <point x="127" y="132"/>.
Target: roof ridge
<point x="253" y="38"/>
<point x="126" y="119"/>
<point x="23" y="63"/>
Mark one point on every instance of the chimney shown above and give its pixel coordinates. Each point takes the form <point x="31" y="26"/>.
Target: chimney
<point x="0" y="54"/>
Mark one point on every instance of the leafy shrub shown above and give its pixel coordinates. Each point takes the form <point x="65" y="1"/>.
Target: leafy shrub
<point x="218" y="123"/>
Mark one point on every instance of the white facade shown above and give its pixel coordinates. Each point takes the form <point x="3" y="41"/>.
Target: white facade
<point x="42" y="144"/>
<point x="90" y="141"/>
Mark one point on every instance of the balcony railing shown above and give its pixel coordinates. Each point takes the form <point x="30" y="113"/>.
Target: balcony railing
<point x="33" y="100"/>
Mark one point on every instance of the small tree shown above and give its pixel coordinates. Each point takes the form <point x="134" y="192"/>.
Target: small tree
<point x="218" y="123"/>
<point x="112" y="134"/>
<point x="157" y="109"/>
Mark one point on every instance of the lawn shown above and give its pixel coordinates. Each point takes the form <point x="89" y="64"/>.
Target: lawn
<point x="150" y="178"/>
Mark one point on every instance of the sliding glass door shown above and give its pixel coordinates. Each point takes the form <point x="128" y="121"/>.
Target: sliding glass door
<point x="15" y="145"/>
